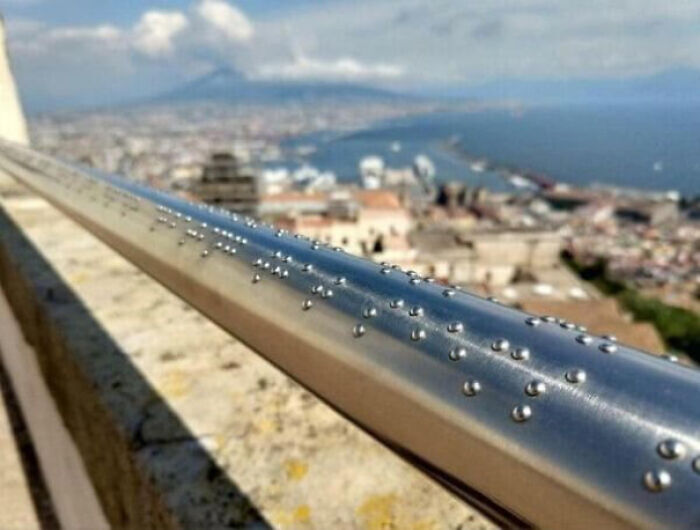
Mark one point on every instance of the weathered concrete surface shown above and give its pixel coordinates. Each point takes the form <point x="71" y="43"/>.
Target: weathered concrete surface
<point x="17" y="510"/>
<point x="180" y="425"/>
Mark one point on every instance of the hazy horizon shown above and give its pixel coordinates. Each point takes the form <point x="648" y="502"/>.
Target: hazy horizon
<point x="80" y="53"/>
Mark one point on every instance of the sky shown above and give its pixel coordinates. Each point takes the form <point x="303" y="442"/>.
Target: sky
<point x="86" y="52"/>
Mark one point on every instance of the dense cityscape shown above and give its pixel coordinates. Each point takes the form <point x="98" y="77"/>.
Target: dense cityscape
<point x="508" y="245"/>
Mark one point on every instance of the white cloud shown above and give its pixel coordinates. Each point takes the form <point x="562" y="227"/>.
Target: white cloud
<point x="153" y="34"/>
<point x="347" y="68"/>
<point x="228" y="20"/>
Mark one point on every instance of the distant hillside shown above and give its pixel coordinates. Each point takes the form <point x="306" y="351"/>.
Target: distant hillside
<point x="672" y="86"/>
<point x="229" y="85"/>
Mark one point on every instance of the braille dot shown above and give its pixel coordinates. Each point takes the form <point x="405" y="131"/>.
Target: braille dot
<point x="317" y="289"/>
<point x="657" y="480"/>
<point x="359" y="330"/>
<point x="576" y="376"/>
<point x="455" y="327"/>
<point x="256" y="278"/>
<point x="520" y="354"/>
<point x="205" y="253"/>
<point x="457" y="353"/>
<point x="696" y="464"/>
<point x="500" y="345"/>
<point x="533" y="321"/>
<point x="608" y="348"/>
<point x="471" y="387"/>
<point x="307" y="304"/>
<point x="584" y="339"/>
<point x="521" y="413"/>
<point x="307" y="267"/>
<point x="257" y="262"/>
<point x="414" y="281"/>
<point x="670" y="357"/>
<point x="416" y="311"/>
<point x="340" y="280"/>
<point x="418" y="334"/>
<point x="671" y="449"/>
<point x="385" y="270"/>
<point x="611" y="338"/>
<point x="369" y="312"/>
<point x="396" y="304"/>
<point x="327" y="293"/>
<point x="448" y="293"/>
<point x="287" y="259"/>
<point x="568" y="325"/>
<point x="549" y="319"/>
<point x="535" y="388"/>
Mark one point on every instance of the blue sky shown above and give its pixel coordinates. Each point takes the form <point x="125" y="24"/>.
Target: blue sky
<point x="83" y="52"/>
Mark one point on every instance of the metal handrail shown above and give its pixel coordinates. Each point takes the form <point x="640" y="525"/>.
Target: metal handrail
<point x="530" y="416"/>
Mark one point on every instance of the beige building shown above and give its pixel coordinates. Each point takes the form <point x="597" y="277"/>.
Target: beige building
<point x="490" y="258"/>
<point x="378" y="226"/>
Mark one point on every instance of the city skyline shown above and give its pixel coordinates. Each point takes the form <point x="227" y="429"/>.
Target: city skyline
<point x="113" y="51"/>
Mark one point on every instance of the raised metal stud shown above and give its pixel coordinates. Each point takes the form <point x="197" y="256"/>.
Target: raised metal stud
<point x="521" y="413"/>
<point x="696" y="464"/>
<point x="396" y="304"/>
<point x="471" y="387"/>
<point x="448" y="293"/>
<point x="500" y="345"/>
<point x="327" y="293"/>
<point x="416" y="311"/>
<point x="533" y="321"/>
<point x="608" y="348"/>
<point x="520" y="354"/>
<point x="256" y="278"/>
<point x="611" y="338"/>
<point x="455" y="327"/>
<point x="414" y="281"/>
<point x="584" y="339"/>
<point x="369" y="312"/>
<point x="418" y="334"/>
<point x="308" y="267"/>
<point x="205" y="253"/>
<point x="359" y="330"/>
<point x="307" y="304"/>
<point x="340" y="280"/>
<point x="458" y="353"/>
<point x="657" y="480"/>
<point x="385" y="270"/>
<point x="576" y="376"/>
<point x="671" y="449"/>
<point x="535" y="388"/>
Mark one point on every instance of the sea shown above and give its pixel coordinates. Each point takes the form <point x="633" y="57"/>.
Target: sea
<point x="630" y="146"/>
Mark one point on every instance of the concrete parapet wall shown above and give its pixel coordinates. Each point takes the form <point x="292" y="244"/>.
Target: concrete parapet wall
<point x="180" y="426"/>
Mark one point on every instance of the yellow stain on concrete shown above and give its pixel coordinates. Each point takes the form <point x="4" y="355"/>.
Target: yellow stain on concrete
<point x="294" y="518"/>
<point x="296" y="469"/>
<point x="175" y="384"/>
<point x="377" y="512"/>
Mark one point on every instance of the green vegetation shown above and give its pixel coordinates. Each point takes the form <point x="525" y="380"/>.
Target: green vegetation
<point x="678" y="327"/>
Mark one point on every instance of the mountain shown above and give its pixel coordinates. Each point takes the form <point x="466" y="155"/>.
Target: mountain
<point x="229" y="85"/>
<point x="672" y="86"/>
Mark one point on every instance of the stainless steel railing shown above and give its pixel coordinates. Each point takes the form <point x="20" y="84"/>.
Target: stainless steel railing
<point x="531" y="417"/>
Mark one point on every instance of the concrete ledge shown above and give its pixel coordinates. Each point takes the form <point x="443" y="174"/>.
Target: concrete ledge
<point x="178" y="425"/>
